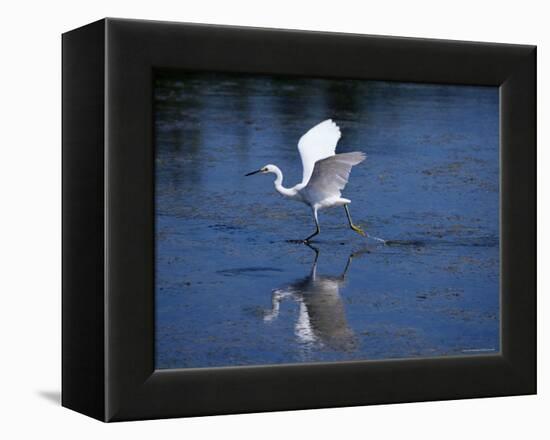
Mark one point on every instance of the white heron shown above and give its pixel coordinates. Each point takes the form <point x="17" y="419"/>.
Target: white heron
<point x="322" y="315"/>
<point x="325" y="173"/>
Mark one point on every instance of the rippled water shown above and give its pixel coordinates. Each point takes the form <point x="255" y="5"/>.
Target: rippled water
<point x="230" y="289"/>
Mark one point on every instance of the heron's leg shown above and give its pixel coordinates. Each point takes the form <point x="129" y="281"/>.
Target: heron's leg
<point x="313" y="272"/>
<point x="317" y="230"/>
<point x="351" y="225"/>
<point x="348" y="264"/>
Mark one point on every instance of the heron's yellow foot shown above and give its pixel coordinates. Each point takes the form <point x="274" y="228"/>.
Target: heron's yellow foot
<point x="358" y="230"/>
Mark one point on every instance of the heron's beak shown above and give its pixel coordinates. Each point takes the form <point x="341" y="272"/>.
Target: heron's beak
<point x="253" y="172"/>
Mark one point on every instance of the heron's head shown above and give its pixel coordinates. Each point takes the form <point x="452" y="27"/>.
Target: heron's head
<point x="265" y="169"/>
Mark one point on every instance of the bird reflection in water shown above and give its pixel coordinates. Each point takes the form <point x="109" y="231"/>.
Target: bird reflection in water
<point x="322" y="318"/>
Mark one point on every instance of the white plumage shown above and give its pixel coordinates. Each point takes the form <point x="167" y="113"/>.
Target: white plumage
<point x="325" y="174"/>
<point x="322" y="316"/>
<point x="330" y="177"/>
<point x="318" y="143"/>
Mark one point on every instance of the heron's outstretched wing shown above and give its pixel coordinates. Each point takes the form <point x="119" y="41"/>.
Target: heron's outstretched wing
<point x="330" y="175"/>
<point x="318" y="143"/>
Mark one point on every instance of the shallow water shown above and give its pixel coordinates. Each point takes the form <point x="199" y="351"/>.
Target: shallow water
<point x="231" y="289"/>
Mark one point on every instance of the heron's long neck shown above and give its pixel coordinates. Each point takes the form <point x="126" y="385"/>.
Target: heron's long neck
<point x="279" y="184"/>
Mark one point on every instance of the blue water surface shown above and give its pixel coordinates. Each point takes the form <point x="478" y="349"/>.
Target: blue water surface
<point x="231" y="290"/>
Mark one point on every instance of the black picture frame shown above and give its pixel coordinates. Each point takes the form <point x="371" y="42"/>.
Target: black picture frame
<point x="108" y="220"/>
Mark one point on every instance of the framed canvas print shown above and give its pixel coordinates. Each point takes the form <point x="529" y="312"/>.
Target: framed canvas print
<point x="260" y="220"/>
